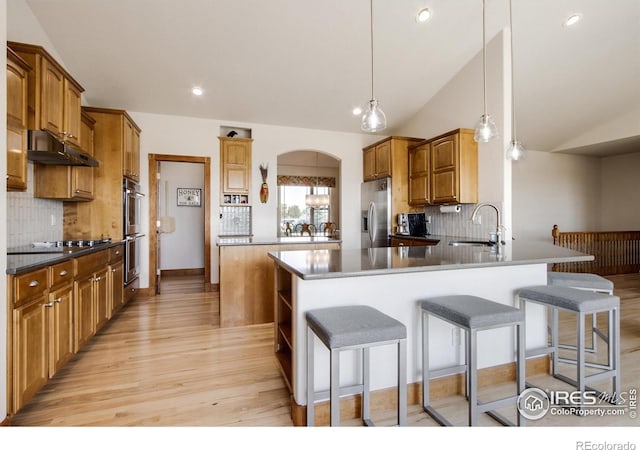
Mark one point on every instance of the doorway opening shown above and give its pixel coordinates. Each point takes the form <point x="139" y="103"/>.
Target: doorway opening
<point x="183" y="213"/>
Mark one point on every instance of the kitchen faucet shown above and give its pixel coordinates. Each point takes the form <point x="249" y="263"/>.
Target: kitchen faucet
<point x="498" y="222"/>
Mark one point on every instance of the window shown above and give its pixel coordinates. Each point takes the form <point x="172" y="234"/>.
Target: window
<point x="293" y="213"/>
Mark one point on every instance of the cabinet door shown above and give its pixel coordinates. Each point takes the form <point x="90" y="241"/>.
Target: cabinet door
<point x="383" y="159"/>
<point x="444" y="170"/>
<point x="116" y="286"/>
<point x="16" y="127"/>
<point x="235" y="179"/>
<point x="419" y="176"/>
<point x="369" y="164"/>
<point x="60" y="328"/>
<point x="82" y="183"/>
<point x="84" y="314"/>
<point x="30" y="363"/>
<point x="102" y="306"/>
<point x="235" y="153"/>
<point x="135" y="154"/>
<point x="72" y="111"/>
<point x="127" y="159"/>
<point x="52" y="101"/>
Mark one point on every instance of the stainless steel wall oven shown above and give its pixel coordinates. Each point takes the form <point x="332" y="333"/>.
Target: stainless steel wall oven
<point x="131" y="196"/>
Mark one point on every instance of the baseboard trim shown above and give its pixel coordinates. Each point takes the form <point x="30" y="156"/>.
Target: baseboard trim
<point x="385" y="399"/>
<point x="6" y="422"/>
<point x="181" y="272"/>
<point x="144" y="292"/>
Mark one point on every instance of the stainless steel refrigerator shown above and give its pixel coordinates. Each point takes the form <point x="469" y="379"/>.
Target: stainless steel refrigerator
<point x="375" y="215"/>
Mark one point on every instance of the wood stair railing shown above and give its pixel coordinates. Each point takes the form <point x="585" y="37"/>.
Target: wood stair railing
<point x="615" y="252"/>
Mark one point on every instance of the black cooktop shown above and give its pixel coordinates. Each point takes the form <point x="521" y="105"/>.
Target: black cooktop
<point x="69" y="246"/>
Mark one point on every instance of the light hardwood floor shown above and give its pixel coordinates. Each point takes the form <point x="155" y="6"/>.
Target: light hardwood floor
<point x="164" y="361"/>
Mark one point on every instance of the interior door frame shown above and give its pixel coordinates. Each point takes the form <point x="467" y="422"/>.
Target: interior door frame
<point x="154" y="159"/>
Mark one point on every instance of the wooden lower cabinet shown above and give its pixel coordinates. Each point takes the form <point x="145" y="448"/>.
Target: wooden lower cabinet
<point x="85" y="324"/>
<point x="116" y="286"/>
<point x="53" y="311"/>
<point x="402" y="242"/>
<point x="61" y="342"/>
<point x="30" y="355"/>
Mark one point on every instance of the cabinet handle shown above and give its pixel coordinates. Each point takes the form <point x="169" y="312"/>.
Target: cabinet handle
<point x="34" y="283"/>
<point x="96" y="279"/>
<point x="113" y="270"/>
<point x="58" y="300"/>
<point x="71" y="136"/>
<point x="63" y="273"/>
<point x="77" y="191"/>
<point x="48" y="305"/>
<point x="401" y="244"/>
<point x="117" y="252"/>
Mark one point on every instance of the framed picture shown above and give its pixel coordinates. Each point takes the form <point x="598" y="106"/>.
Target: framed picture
<point x="189" y="197"/>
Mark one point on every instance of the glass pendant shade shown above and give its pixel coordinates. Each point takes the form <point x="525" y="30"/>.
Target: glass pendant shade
<point x="486" y="129"/>
<point x="316" y="200"/>
<point x="373" y="118"/>
<point x="515" y="150"/>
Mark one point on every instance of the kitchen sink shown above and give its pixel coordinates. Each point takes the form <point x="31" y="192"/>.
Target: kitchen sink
<point x="470" y="242"/>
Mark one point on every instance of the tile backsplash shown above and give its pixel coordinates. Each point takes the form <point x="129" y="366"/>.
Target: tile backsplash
<point x="29" y="219"/>
<point x="459" y="224"/>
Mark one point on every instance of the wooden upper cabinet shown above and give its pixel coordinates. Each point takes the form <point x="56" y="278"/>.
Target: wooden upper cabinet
<point x="17" y="87"/>
<point x="454" y="168"/>
<point x="419" y="174"/>
<point x="235" y="169"/>
<point x="131" y="160"/>
<point x="377" y="161"/>
<point x="54" y="97"/>
<point x="72" y="183"/>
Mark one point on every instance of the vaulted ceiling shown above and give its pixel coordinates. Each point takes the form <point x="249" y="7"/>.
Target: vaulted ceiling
<point x="306" y="63"/>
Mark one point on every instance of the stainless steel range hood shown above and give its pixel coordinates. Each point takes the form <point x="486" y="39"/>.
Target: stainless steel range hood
<point x="46" y="148"/>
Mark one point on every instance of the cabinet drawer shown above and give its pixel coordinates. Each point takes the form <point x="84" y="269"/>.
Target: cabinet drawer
<point x="116" y="253"/>
<point x="88" y="264"/>
<point x="29" y="285"/>
<point x="62" y="273"/>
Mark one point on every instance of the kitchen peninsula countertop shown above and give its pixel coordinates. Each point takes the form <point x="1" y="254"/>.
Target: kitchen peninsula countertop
<point x="326" y="264"/>
<point x="246" y="240"/>
<point x="17" y="264"/>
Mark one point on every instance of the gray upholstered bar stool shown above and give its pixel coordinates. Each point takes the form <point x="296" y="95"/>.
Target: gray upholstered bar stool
<point x="472" y="314"/>
<point x="353" y="328"/>
<point x="582" y="303"/>
<point x="587" y="282"/>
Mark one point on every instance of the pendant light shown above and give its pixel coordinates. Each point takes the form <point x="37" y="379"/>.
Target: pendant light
<point x="515" y="150"/>
<point x="373" y="118"/>
<point x="317" y="201"/>
<point x="485" y="128"/>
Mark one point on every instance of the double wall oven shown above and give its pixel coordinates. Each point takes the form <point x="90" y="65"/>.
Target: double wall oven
<point x="131" y="196"/>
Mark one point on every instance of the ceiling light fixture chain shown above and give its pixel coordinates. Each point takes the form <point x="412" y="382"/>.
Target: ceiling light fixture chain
<point x="485" y="128"/>
<point x="515" y="149"/>
<point x="373" y="118"/>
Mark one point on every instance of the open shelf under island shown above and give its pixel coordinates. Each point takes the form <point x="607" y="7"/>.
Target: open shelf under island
<point x="394" y="280"/>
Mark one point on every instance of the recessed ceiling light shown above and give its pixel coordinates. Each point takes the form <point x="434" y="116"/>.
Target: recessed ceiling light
<point x="572" y="20"/>
<point x="197" y="91"/>
<point x="423" y="15"/>
<point x="356" y="111"/>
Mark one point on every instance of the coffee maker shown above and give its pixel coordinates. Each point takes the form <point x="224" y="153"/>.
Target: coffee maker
<point x="403" y="224"/>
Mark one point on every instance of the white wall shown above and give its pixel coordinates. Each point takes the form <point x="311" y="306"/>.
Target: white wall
<point x="174" y="135"/>
<point x="620" y="207"/>
<point x="3" y="223"/>
<point x="552" y="188"/>
<point x="184" y="247"/>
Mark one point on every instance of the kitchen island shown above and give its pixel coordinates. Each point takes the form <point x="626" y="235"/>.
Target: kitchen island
<point x="394" y="280"/>
<point x="246" y="275"/>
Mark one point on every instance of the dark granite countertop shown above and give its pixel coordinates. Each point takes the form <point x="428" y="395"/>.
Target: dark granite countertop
<point x="20" y="263"/>
<point x="325" y="264"/>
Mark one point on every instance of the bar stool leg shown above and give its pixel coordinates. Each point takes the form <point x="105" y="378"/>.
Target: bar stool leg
<point x="554" y="340"/>
<point x="310" y="379"/>
<point x="335" y="387"/>
<point x="366" y="398"/>
<point x="610" y="338"/>
<point x="425" y="360"/>
<point x="466" y="364"/>
<point x="615" y="349"/>
<point x="580" y="360"/>
<point x="521" y="370"/>
<point x="473" y="377"/>
<point x="402" y="382"/>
